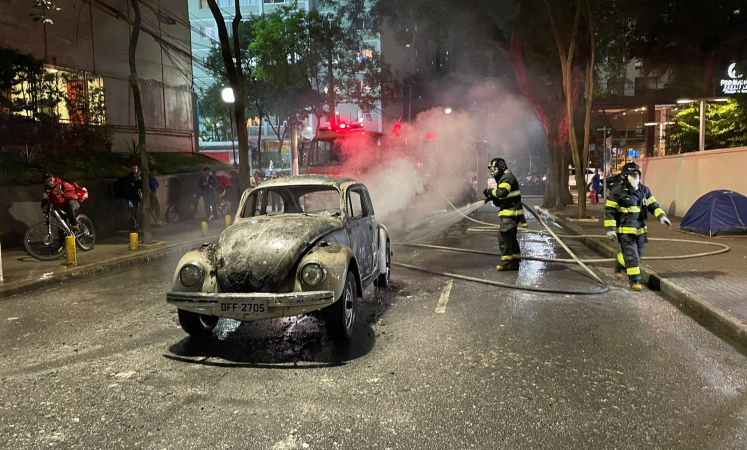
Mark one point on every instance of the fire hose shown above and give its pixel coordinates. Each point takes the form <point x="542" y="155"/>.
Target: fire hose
<point x="489" y="227"/>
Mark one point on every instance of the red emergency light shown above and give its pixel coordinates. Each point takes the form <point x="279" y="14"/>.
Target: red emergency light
<point x="341" y="128"/>
<point x="431" y="137"/>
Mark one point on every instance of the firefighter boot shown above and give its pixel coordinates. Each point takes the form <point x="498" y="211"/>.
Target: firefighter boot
<point x="636" y="286"/>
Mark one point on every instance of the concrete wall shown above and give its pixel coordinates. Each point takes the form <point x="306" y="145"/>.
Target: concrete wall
<point x="20" y="206"/>
<point x="87" y="36"/>
<point x="677" y="181"/>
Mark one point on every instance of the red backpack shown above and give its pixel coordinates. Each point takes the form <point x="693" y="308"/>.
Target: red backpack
<point x="81" y="192"/>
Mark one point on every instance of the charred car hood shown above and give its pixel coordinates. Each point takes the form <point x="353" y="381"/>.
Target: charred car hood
<point x="257" y="255"/>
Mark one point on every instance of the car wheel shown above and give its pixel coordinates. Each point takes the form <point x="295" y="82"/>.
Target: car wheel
<point x="198" y="325"/>
<point x="340" y="316"/>
<point x="171" y="214"/>
<point x="382" y="280"/>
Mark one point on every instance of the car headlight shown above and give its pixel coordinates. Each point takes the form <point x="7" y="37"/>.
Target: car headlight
<point x="313" y="274"/>
<point x="192" y="274"/>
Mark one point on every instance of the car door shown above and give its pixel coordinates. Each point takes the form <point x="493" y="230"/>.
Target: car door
<point x="360" y="229"/>
<point x="374" y="228"/>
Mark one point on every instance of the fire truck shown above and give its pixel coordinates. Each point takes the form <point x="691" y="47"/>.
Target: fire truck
<point x="340" y="149"/>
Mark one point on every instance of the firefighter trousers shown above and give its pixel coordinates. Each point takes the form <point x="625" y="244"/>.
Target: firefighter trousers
<point x="630" y="259"/>
<point x="508" y="241"/>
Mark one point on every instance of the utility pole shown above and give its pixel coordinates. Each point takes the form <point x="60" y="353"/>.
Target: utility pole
<point x="144" y="171"/>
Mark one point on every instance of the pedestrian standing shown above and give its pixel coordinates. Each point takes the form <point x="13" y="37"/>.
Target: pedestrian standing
<point x="133" y="195"/>
<point x="208" y="184"/>
<point x="257" y="179"/>
<point x="625" y="215"/>
<point x="507" y="197"/>
<point x="595" y="185"/>
<point x="155" y="207"/>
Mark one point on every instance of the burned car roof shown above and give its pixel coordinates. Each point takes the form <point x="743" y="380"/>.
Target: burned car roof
<point x="310" y="180"/>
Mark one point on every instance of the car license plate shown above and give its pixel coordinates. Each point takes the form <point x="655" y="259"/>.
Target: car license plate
<point x="245" y="308"/>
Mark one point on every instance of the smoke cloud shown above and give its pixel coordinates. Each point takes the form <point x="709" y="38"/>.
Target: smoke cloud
<point x="439" y="155"/>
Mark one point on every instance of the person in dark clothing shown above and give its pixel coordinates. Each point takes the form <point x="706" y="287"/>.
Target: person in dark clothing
<point x="155" y="207"/>
<point x="507" y="197"/>
<point x="596" y="185"/>
<point x="62" y="197"/>
<point x="208" y="184"/>
<point x="133" y="195"/>
<point x="625" y="213"/>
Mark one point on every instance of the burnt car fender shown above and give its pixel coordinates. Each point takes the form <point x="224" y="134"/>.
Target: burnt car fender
<point x="203" y="257"/>
<point x="381" y="257"/>
<point x="336" y="259"/>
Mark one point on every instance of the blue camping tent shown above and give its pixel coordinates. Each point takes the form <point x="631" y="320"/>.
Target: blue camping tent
<point x="718" y="213"/>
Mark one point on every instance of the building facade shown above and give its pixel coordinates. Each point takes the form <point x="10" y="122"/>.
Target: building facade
<point x="89" y="42"/>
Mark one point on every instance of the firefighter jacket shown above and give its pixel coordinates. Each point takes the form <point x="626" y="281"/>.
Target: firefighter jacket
<point x="626" y="210"/>
<point x="508" y="196"/>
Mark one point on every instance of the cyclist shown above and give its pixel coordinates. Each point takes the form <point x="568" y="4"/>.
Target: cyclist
<point x="62" y="197"/>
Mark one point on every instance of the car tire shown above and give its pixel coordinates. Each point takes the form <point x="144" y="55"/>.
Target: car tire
<point x="382" y="280"/>
<point x="340" y="317"/>
<point x="198" y="325"/>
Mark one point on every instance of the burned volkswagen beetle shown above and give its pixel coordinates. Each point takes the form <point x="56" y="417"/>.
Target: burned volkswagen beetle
<point x="299" y="245"/>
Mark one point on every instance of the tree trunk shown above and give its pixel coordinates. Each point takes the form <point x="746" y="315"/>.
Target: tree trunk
<point x="235" y="76"/>
<point x="144" y="170"/>
<point x="259" y="139"/>
<point x="556" y="189"/>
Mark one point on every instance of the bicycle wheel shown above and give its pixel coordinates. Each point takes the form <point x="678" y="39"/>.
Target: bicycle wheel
<point x="222" y="207"/>
<point x="45" y="244"/>
<point x="86" y="237"/>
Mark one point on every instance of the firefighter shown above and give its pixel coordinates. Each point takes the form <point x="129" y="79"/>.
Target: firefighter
<point x="508" y="198"/>
<point x="625" y="215"/>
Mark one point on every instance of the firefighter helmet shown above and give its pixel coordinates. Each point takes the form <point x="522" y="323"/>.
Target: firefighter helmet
<point x="630" y="168"/>
<point x="497" y="166"/>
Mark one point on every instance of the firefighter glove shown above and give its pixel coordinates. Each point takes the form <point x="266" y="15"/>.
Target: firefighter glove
<point x="486" y="193"/>
<point x="612" y="235"/>
<point x="665" y="221"/>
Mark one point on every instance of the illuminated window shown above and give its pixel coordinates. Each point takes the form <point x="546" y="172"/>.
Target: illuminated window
<point x="68" y="96"/>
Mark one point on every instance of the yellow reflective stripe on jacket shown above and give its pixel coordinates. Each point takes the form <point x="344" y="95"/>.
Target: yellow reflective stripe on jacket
<point x="513" y="194"/>
<point x="658" y="212"/>
<point x="612" y="204"/>
<point x="610" y="223"/>
<point x="634" y="271"/>
<point x="652" y="199"/>
<point x="631" y="230"/>
<point x="511" y="212"/>
<point x="505" y="186"/>
<point x="632" y="209"/>
<point x="507" y="258"/>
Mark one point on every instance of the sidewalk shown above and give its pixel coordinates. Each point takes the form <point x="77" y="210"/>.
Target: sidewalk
<point x="714" y="288"/>
<point x="22" y="272"/>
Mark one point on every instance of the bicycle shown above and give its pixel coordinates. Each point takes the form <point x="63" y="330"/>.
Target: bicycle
<point x="46" y="241"/>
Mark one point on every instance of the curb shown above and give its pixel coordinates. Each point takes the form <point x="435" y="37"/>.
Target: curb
<point x="18" y="287"/>
<point x="706" y="313"/>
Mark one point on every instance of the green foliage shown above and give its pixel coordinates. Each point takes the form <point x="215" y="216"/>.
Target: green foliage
<point x="40" y="10"/>
<point x="726" y="127"/>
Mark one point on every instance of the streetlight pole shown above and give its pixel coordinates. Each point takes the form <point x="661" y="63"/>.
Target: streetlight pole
<point x="701" y="140"/>
<point x="227" y="95"/>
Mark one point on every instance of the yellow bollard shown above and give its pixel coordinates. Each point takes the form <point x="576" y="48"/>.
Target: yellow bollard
<point x="204" y="229"/>
<point x="228" y="221"/>
<point x="71" y="256"/>
<point x="133" y="241"/>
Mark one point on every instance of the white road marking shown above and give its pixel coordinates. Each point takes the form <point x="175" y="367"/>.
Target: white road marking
<point x="441" y="306"/>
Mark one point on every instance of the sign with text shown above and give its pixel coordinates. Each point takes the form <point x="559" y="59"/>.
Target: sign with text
<point x="735" y="81"/>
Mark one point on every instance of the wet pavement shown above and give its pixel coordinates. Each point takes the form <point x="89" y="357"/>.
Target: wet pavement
<point x="103" y="364"/>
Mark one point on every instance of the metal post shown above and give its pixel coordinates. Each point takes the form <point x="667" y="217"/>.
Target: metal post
<point x="233" y="145"/>
<point x="702" y="125"/>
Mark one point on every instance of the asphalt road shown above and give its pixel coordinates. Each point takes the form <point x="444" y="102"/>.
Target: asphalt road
<point x="103" y="364"/>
